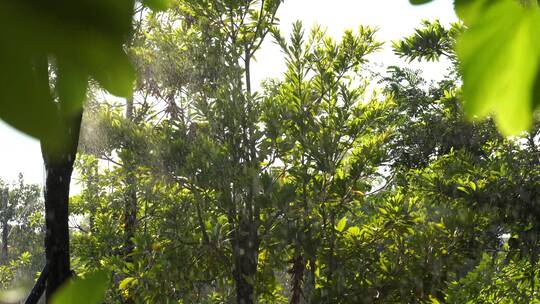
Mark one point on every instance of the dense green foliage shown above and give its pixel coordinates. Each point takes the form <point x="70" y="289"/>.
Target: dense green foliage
<point x="325" y="185"/>
<point x="21" y="226"/>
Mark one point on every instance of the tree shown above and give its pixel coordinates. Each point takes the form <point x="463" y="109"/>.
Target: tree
<point x="94" y="50"/>
<point x="430" y="121"/>
<point x="324" y="133"/>
<point x="306" y="190"/>
<point x="49" y="75"/>
<point x="21" y="218"/>
<point x="227" y="35"/>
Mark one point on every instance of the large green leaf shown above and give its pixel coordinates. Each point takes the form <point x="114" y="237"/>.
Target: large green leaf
<point x="25" y="101"/>
<point x="499" y="56"/>
<point x="470" y="11"/>
<point x="80" y="40"/>
<point x="71" y="85"/>
<point x="90" y="290"/>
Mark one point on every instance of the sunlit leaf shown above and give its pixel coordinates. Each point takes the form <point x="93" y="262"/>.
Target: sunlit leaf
<point x="125" y="283"/>
<point x="341" y="224"/>
<point x="90" y="290"/>
<point x="112" y="69"/>
<point x="499" y="57"/>
<point x="353" y="231"/>
<point x="158" y="4"/>
<point x="470" y="11"/>
<point x="77" y="40"/>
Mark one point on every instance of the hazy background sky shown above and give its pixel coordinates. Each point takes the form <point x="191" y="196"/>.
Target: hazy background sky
<point x="393" y="18"/>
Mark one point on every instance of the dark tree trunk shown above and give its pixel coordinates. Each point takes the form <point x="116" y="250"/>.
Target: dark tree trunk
<point x="39" y="287"/>
<point x="130" y="220"/>
<point x="130" y="208"/>
<point x="307" y="247"/>
<point x="297" y="278"/>
<point x="245" y="253"/>
<point x="309" y="282"/>
<point x="5" y="225"/>
<point x="130" y="195"/>
<point x="5" y="250"/>
<point x="130" y="216"/>
<point x="57" y="235"/>
<point x="58" y="169"/>
<point x="94" y="194"/>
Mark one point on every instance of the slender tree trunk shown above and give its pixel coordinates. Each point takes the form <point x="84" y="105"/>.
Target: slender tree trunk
<point x="91" y="185"/>
<point x="245" y="253"/>
<point x="130" y="207"/>
<point x="299" y="262"/>
<point x="39" y="287"/>
<point x="245" y="249"/>
<point x="331" y="252"/>
<point x="247" y="69"/>
<point x="5" y="249"/>
<point x="130" y="215"/>
<point x="198" y="201"/>
<point x="309" y="283"/>
<point x="297" y="279"/>
<point x="58" y="170"/>
<point x="5" y="225"/>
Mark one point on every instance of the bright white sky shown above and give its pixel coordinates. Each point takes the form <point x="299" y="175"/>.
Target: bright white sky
<point x="394" y="18"/>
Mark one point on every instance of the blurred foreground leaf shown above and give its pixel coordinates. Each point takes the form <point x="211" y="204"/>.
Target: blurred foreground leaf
<point x="158" y="4"/>
<point x="470" y="11"/>
<point x="49" y="52"/>
<point x="499" y="56"/>
<point x="90" y="290"/>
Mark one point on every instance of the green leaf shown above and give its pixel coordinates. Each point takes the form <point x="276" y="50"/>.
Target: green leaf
<point x="125" y="283"/>
<point x="81" y="39"/>
<point x="434" y="300"/>
<point x="470" y="11"/>
<point x="341" y="224"/>
<point x="353" y="231"/>
<point x="499" y="57"/>
<point x="417" y="2"/>
<point x="90" y="290"/>
<point x="158" y="4"/>
<point x="71" y="85"/>
<point x="111" y="67"/>
<point x="463" y="189"/>
<point x="25" y="99"/>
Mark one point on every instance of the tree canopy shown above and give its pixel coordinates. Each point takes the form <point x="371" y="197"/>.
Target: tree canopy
<point x="327" y="184"/>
